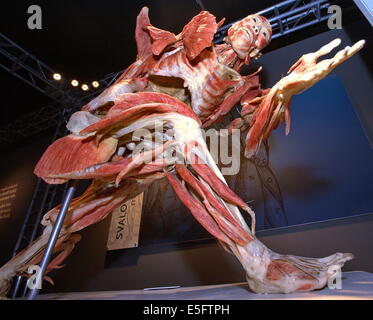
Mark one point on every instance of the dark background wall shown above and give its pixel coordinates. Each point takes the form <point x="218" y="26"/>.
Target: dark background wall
<point x="17" y="167"/>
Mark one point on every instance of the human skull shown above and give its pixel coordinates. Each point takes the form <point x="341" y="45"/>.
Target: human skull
<point x="248" y="36"/>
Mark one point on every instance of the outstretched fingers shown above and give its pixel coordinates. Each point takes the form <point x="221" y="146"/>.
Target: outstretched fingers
<point x="346" y="53"/>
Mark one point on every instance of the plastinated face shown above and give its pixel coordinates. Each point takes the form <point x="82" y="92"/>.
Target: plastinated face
<point x="248" y="36"/>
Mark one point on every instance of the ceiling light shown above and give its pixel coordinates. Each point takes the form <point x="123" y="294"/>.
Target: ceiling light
<point x="57" y="76"/>
<point x="95" y="84"/>
<point x="74" y="83"/>
<point x="85" y="87"/>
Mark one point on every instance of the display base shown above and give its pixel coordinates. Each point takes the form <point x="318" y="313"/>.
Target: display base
<point x="355" y="285"/>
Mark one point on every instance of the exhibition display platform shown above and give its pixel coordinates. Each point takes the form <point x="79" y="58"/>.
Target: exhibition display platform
<point x="356" y="285"/>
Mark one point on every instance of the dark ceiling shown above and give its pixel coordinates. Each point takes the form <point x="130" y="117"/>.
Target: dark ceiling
<point x="88" y="39"/>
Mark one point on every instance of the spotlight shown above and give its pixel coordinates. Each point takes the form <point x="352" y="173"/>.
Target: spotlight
<point x="57" y="76"/>
<point x="74" y="83"/>
<point x="85" y="87"/>
<point x="95" y="84"/>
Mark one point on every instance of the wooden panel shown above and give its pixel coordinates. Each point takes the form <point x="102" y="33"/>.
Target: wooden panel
<point x="125" y="224"/>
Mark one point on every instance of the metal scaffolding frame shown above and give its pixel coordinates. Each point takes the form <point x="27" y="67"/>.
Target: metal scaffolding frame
<point x="44" y="198"/>
<point x="48" y="116"/>
<point x="105" y="82"/>
<point x="289" y="16"/>
<point x="285" y="17"/>
<point x="23" y="65"/>
<point x="30" y="124"/>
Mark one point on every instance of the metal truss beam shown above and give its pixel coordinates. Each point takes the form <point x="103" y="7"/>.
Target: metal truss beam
<point x="105" y="82"/>
<point x="23" y="65"/>
<point x="31" y="123"/>
<point x="289" y="16"/>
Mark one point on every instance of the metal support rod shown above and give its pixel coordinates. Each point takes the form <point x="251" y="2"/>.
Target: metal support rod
<point x="53" y="239"/>
<point x="31" y="238"/>
<point x="17" y="283"/>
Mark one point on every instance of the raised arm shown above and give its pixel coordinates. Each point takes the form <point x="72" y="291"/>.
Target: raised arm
<point x="265" y="113"/>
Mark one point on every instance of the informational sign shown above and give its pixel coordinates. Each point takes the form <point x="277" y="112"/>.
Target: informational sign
<point x="7" y="196"/>
<point x="125" y="225"/>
